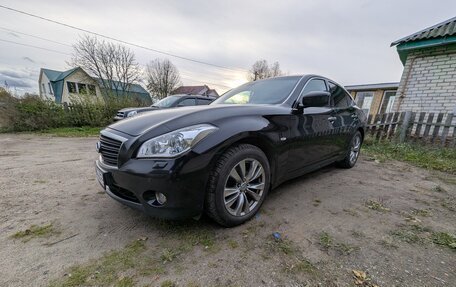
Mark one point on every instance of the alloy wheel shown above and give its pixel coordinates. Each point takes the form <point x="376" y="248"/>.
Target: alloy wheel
<point x="244" y="187"/>
<point x="354" y="150"/>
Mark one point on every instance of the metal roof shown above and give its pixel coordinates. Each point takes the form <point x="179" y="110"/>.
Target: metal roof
<point x="379" y="86"/>
<point x="443" y="29"/>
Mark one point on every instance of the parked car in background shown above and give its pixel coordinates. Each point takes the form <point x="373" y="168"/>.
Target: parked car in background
<point x="173" y="101"/>
<point x="224" y="158"/>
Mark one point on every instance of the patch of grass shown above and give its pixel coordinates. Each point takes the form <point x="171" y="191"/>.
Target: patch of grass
<point x="377" y="206"/>
<point x="351" y="212"/>
<point x="300" y="266"/>
<point x="189" y="233"/>
<point x="438" y="188"/>
<point x="168" y="283"/>
<point x="445" y="239"/>
<point x="284" y="246"/>
<point x="35" y="231"/>
<point x="233" y="244"/>
<point x="413" y="234"/>
<point x="388" y="244"/>
<point x="125" y="282"/>
<point x="105" y="271"/>
<point x="345" y="249"/>
<point x="325" y="240"/>
<point x="442" y="159"/>
<point x="449" y="203"/>
<point x="358" y="234"/>
<point x="421" y="212"/>
<point x="168" y="255"/>
<point x="72" y="132"/>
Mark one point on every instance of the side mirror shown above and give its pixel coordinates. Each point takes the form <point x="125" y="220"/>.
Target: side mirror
<point x="315" y="99"/>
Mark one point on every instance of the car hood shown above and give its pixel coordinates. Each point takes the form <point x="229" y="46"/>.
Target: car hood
<point x="172" y="119"/>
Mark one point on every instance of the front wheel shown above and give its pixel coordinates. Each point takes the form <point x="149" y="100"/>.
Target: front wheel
<point x="350" y="159"/>
<point x="238" y="185"/>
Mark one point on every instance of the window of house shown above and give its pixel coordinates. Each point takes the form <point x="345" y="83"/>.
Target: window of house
<point x="92" y="89"/>
<point x="364" y="100"/>
<point x="388" y="101"/>
<point x="50" y="88"/>
<point x="82" y="88"/>
<point x="339" y="97"/>
<point x="43" y="88"/>
<point x="71" y="87"/>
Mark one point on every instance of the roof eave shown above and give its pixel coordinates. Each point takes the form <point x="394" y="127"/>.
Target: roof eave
<point x="404" y="48"/>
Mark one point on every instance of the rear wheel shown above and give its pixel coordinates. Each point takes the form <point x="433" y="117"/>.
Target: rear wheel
<point x="353" y="152"/>
<point x="238" y="185"/>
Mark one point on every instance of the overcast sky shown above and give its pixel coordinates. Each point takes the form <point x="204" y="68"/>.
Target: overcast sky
<point x="348" y="41"/>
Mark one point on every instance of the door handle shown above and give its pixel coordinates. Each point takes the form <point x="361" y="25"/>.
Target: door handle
<point x="332" y="119"/>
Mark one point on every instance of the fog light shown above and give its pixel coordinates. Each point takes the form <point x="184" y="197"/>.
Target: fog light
<point x="161" y="198"/>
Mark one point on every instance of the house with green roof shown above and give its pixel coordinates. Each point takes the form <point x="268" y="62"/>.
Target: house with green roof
<point x="428" y="82"/>
<point x="61" y="87"/>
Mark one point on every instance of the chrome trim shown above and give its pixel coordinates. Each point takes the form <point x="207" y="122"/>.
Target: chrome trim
<point x="113" y="136"/>
<point x="100" y="159"/>
<point x="292" y="91"/>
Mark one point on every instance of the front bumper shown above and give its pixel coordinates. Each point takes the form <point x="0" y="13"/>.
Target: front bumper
<point x="182" y="181"/>
<point x="118" y="118"/>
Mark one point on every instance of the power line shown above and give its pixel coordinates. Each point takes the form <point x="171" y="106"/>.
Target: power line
<point x="63" y="53"/>
<point x="36" y="47"/>
<point x="52" y="41"/>
<point x="33" y="36"/>
<point x="121" y="41"/>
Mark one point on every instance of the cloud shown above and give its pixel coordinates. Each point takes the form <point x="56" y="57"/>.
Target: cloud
<point x="20" y="78"/>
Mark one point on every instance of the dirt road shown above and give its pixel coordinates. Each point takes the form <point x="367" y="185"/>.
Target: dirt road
<point x="387" y="220"/>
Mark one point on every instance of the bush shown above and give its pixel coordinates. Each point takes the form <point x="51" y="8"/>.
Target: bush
<point x="31" y="113"/>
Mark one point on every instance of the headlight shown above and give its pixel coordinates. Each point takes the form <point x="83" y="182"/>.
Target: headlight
<point x="175" y="143"/>
<point x="132" y="113"/>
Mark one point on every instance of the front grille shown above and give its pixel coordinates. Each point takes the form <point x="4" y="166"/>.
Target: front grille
<point x="120" y="114"/>
<point x="109" y="149"/>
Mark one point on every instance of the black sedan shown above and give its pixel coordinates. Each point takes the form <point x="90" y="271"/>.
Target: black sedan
<point x="224" y="158"/>
<point x="181" y="100"/>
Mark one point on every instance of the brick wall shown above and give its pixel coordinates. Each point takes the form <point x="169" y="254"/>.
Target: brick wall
<point x="428" y="82"/>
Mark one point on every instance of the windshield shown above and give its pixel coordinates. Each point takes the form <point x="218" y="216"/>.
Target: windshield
<point x="270" y="91"/>
<point x="166" y="102"/>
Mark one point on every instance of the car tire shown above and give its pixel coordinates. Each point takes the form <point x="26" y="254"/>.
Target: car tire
<point x="352" y="155"/>
<point x="230" y="199"/>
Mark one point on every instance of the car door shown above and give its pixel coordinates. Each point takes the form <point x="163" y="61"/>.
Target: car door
<point x="345" y="118"/>
<point x="310" y="130"/>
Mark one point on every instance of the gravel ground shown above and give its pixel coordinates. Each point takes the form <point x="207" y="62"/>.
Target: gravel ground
<point x="381" y="219"/>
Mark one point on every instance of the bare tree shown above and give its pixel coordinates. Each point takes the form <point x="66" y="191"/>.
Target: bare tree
<point x="114" y="65"/>
<point x="261" y="70"/>
<point x="162" y="78"/>
<point x="274" y="70"/>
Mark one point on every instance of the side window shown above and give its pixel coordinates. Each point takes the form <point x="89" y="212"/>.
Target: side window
<point x="71" y="87"/>
<point x="339" y="98"/>
<point x="203" y="102"/>
<point x="187" y="102"/>
<point x="314" y="85"/>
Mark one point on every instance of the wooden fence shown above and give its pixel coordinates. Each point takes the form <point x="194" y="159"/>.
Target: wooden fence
<point x="437" y="129"/>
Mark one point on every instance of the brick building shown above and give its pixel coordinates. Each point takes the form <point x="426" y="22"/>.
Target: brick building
<point x="428" y="82"/>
